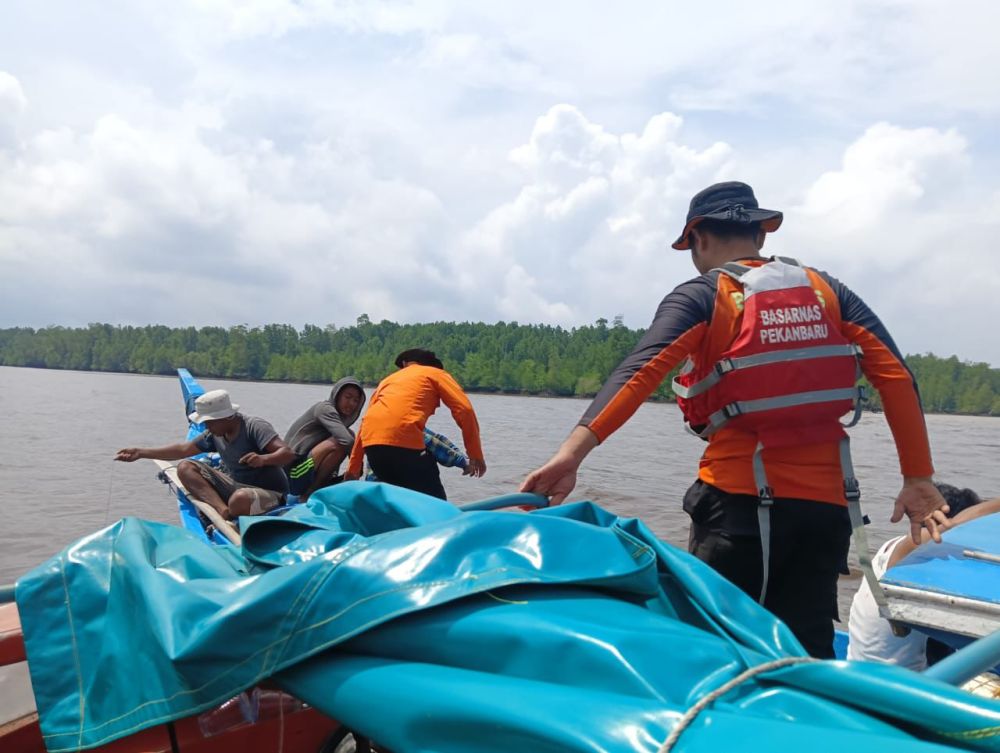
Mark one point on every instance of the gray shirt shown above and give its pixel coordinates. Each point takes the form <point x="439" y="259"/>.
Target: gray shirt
<point x="255" y="435"/>
<point x="323" y="421"/>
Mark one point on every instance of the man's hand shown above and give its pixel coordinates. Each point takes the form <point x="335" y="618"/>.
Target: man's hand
<point x="128" y="455"/>
<point x="253" y="460"/>
<point x="923" y="504"/>
<point x="555" y="479"/>
<point x="474" y="468"/>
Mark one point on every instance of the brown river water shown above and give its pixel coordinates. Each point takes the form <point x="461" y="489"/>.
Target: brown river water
<point x="60" y="429"/>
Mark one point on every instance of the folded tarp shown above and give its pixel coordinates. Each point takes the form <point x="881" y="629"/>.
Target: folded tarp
<point x="430" y="629"/>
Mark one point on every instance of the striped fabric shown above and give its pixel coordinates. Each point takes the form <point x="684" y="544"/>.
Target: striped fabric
<point x="444" y="452"/>
<point x="301" y="469"/>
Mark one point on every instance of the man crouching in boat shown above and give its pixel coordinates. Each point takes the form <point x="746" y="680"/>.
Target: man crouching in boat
<point x="252" y="453"/>
<point x="321" y="438"/>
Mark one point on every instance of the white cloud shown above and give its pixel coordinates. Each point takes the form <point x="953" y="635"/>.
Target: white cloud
<point x="12" y="104"/>
<point x="593" y="221"/>
<point x="901" y="223"/>
<point x="888" y="168"/>
<point x="12" y="99"/>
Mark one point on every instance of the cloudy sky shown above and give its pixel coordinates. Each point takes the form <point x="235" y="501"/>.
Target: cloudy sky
<point x="221" y="162"/>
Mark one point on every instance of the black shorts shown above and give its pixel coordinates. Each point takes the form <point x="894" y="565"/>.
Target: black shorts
<point x="301" y="473"/>
<point x="809" y="543"/>
<point x="411" y="469"/>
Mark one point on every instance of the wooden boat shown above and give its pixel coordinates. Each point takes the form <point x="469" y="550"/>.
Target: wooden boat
<point x="951" y="591"/>
<point x="260" y="720"/>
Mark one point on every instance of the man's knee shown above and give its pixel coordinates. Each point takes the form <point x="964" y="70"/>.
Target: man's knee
<point x="240" y="501"/>
<point x="325" y="449"/>
<point x="188" y="470"/>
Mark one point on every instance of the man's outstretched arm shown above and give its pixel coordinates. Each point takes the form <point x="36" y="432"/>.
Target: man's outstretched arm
<point x="177" y="451"/>
<point x="557" y="477"/>
<point x="883" y="365"/>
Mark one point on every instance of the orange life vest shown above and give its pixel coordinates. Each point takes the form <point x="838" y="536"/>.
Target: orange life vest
<point x="789" y="375"/>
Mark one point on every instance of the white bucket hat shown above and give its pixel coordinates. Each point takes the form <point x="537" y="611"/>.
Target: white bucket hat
<point x="212" y="406"/>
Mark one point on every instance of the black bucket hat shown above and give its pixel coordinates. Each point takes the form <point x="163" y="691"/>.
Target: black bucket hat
<point x="728" y="202"/>
<point x="418" y="355"/>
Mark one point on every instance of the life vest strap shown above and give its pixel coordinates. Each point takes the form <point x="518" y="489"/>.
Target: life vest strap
<point x="765" y="495"/>
<point x="852" y="492"/>
<point x="736" y="270"/>
<point x="741" y="407"/>
<point x="859" y="406"/>
<point x="787" y="260"/>
<point x="726" y="365"/>
<point x="780" y="356"/>
<point x="733" y="269"/>
<point x="703" y="385"/>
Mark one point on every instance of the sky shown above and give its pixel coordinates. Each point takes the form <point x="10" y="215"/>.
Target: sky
<point x="213" y="162"/>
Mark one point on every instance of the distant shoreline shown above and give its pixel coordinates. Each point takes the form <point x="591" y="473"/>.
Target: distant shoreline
<point x="471" y="391"/>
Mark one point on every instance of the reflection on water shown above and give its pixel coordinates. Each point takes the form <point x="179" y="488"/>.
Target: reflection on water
<point x="61" y="428"/>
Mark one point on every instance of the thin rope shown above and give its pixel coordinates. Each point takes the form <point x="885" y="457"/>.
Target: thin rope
<point x="692" y="713"/>
<point x="111" y="483"/>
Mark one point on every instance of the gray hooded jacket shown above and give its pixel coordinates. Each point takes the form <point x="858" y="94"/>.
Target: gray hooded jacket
<point x="322" y="421"/>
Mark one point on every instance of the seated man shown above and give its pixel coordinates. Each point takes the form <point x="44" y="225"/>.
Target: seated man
<point x="252" y="455"/>
<point x="871" y="636"/>
<point x="321" y="438"/>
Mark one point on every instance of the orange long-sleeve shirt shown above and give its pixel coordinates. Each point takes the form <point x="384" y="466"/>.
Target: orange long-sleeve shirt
<point x="700" y="319"/>
<point x="402" y="403"/>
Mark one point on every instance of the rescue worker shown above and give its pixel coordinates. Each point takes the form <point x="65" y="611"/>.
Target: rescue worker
<point x="769" y="508"/>
<point x="392" y="431"/>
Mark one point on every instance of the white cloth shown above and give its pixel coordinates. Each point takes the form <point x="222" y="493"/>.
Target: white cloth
<point x="871" y="636"/>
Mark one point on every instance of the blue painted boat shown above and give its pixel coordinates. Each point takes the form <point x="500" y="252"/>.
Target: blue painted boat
<point x="204" y="522"/>
<point x="195" y="516"/>
<point x="950" y="591"/>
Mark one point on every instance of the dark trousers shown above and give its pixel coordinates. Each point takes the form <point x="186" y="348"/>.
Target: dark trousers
<point x="809" y="544"/>
<point x="411" y="469"/>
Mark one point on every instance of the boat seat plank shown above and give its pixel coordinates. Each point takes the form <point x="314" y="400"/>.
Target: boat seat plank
<point x="221" y="524"/>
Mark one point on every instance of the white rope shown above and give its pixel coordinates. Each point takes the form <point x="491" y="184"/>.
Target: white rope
<point x="111" y="479"/>
<point x="692" y="713"/>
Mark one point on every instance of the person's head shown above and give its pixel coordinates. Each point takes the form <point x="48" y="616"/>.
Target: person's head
<point x="216" y="410"/>
<point x="419" y="356"/>
<point x="725" y="222"/>
<point x="349" y="400"/>
<point x="957" y="499"/>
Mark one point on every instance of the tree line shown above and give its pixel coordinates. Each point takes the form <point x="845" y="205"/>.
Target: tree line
<point x="533" y="359"/>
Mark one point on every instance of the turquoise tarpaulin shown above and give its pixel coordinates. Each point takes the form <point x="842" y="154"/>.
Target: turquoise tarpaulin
<point x="430" y="629"/>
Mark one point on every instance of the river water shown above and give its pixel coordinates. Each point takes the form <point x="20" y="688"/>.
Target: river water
<point x="60" y="429"/>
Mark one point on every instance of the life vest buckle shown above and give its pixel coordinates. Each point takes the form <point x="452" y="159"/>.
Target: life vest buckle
<point x="724" y="366"/>
<point x="766" y="495"/>
<point x="732" y="410"/>
<point x="852" y="489"/>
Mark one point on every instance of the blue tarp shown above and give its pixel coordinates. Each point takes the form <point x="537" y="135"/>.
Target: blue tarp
<point x="430" y="629"/>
